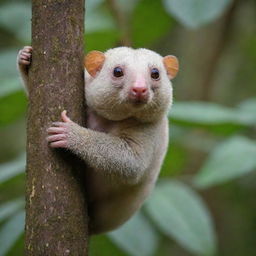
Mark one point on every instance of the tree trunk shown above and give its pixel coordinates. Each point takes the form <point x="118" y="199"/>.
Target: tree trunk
<point x="56" y="213"/>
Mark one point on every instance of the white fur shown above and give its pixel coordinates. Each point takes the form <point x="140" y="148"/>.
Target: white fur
<point x="134" y="62"/>
<point x="124" y="144"/>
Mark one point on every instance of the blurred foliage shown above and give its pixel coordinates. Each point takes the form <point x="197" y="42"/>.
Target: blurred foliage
<point x="143" y="242"/>
<point x="195" y="13"/>
<point x="204" y="203"/>
<point x="184" y="217"/>
<point x="145" y="29"/>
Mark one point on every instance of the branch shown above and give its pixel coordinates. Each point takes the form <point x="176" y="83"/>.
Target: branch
<point x="122" y="21"/>
<point x="217" y="51"/>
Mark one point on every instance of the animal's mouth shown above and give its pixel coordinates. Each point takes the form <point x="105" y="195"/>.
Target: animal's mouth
<point x="138" y="102"/>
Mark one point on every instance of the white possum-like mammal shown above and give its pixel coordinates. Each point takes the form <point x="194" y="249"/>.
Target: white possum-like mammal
<point x="128" y="93"/>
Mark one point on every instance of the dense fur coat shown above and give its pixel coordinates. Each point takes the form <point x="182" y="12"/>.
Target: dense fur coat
<point x="128" y="93"/>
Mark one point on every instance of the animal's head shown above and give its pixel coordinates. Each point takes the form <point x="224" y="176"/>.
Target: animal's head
<point x="125" y="82"/>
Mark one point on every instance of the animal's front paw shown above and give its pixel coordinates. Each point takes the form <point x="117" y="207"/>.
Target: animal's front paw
<point x="24" y="56"/>
<point x="58" y="133"/>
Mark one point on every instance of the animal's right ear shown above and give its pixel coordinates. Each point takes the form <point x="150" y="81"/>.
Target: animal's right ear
<point x="171" y="64"/>
<point x="93" y="62"/>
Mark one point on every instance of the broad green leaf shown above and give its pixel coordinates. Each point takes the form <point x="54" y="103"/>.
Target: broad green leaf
<point x="16" y="17"/>
<point x="248" y="105"/>
<point x="9" y="86"/>
<point x="91" y="5"/>
<point x="196" y="13"/>
<point x="8" y="68"/>
<point x="181" y="214"/>
<point x="9" y="208"/>
<point x="207" y="114"/>
<point x="101" y="40"/>
<point x="149" y="23"/>
<point x="101" y="245"/>
<point x="98" y="20"/>
<point x="11" y="169"/>
<point x="18" y="248"/>
<point x="136" y="237"/>
<point x="13" y="188"/>
<point x="11" y="92"/>
<point x="174" y="161"/>
<point x="11" y="231"/>
<point x="9" y="111"/>
<point x="248" y="109"/>
<point x="230" y="159"/>
<point x="202" y="113"/>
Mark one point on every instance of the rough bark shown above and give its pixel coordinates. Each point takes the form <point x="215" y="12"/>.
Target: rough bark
<point x="56" y="214"/>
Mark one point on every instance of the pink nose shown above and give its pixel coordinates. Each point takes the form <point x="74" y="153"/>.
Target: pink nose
<point x="140" y="91"/>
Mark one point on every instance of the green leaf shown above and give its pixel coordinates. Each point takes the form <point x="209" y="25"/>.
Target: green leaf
<point x="9" y="111"/>
<point x="174" y="161"/>
<point x="8" y="64"/>
<point x="181" y="214"/>
<point x="207" y="114"/>
<point x="136" y="237"/>
<point x="101" y="40"/>
<point x="230" y="159"/>
<point x="202" y="113"/>
<point x="98" y="20"/>
<point x="16" y="17"/>
<point x="196" y="13"/>
<point x="91" y="5"/>
<point x="12" y="169"/>
<point x="11" y="207"/>
<point x="18" y="247"/>
<point x="248" y="109"/>
<point x="149" y="23"/>
<point x="248" y="105"/>
<point x="11" y="231"/>
<point x="11" y="92"/>
<point x="9" y="86"/>
<point x="101" y="245"/>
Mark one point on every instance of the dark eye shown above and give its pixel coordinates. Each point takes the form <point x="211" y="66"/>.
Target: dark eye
<point x="155" y="73"/>
<point x="118" y="72"/>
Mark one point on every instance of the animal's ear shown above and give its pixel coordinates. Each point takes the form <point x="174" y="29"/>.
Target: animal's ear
<point x="93" y="62"/>
<point x="171" y="64"/>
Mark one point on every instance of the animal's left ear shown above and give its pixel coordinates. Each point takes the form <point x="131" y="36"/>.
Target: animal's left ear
<point x="93" y="62"/>
<point x="171" y="64"/>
